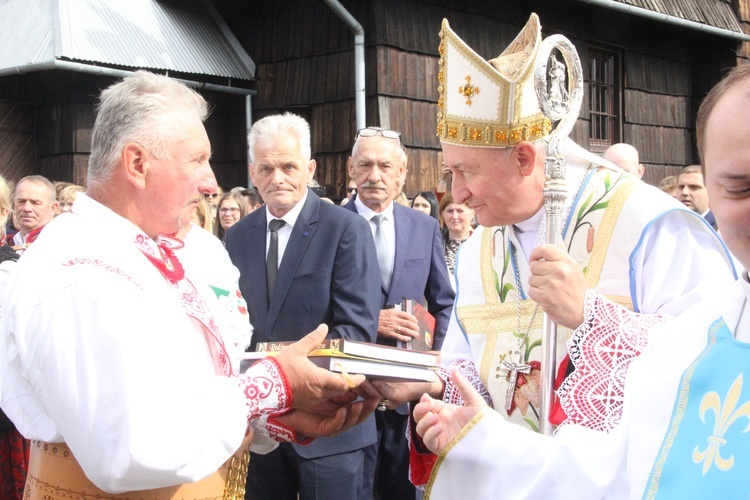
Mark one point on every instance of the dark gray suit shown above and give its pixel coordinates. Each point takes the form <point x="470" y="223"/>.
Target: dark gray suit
<point x="328" y="274"/>
<point x="419" y="273"/>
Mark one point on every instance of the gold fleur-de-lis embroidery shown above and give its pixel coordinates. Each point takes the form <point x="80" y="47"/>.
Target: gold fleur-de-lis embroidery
<point x="725" y="415"/>
<point x="468" y="90"/>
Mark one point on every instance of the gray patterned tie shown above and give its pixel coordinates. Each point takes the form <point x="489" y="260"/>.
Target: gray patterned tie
<point x="384" y="252"/>
<point x="273" y="255"/>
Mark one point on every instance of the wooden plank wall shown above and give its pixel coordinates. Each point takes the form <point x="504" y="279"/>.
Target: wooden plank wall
<point x="657" y="113"/>
<point x="743" y="12"/>
<point x="304" y="55"/>
<point x="16" y="140"/>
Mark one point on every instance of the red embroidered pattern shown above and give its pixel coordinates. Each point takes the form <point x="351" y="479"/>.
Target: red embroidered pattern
<point x="266" y="389"/>
<point x="189" y="297"/>
<point x="103" y="265"/>
<point x="601" y="349"/>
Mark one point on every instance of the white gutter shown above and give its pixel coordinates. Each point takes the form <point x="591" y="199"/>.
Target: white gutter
<point x="117" y="73"/>
<point x="666" y="18"/>
<point x="359" y="60"/>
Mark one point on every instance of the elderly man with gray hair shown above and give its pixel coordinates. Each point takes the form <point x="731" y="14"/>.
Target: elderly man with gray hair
<point x="34" y="205"/>
<point x="111" y="361"/>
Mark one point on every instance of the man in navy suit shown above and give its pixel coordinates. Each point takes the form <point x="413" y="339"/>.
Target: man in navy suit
<point x="303" y="262"/>
<point x="691" y="191"/>
<point x="412" y="264"/>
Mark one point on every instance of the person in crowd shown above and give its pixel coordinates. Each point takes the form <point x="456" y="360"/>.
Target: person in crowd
<point x="444" y="184"/>
<point x="67" y="197"/>
<point x="116" y="368"/>
<point x="410" y="258"/>
<point x="427" y="203"/>
<point x="34" y="205"/>
<point x="232" y="208"/>
<point x="351" y="190"/>
<point x="456" y="222"/>
<point x="620" y="238"/>
<point x="304" y="262"/>
<point x="201" y="216"/>
<point x="669" y="185"/>
<point x="14" y="449"/>
<point x="253" y="200"/>
<point x="59" y="186"/>
<point x="625" y="156"/>
<point x="218" y="283"/>
<point x="213" y="200"/>
<point x="681" y="437"/>
<point x="692" y="192"/>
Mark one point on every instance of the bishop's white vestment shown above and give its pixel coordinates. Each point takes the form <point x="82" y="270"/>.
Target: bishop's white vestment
<point x="683" y="432"/>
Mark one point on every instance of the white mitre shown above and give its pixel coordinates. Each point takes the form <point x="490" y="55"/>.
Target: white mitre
<point x="490" y="103"/>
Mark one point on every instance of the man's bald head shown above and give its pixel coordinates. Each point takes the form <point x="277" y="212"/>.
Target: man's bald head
<point x="625" y="156"/>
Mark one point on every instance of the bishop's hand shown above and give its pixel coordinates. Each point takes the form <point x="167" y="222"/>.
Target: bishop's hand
<point x="439" y="423"/>
<point x="557" y="285"/>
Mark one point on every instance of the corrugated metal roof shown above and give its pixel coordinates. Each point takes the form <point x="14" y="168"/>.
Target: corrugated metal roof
<point x="179" y="36"/>
<point x="717" y="13"/>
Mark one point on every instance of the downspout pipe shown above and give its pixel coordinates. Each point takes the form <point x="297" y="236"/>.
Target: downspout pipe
<point x="117" y="73"/>
<point x="359" y="60"/>
<point x="666" y="18"/>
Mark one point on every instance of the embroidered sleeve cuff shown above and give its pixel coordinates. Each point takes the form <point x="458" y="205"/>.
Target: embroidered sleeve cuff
<point x="267" y="391"/>
<point x="284" y="434"/>
<point x="469" y="371"/>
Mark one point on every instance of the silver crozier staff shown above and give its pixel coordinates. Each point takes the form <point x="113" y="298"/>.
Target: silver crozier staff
<point x="561" y="103"/>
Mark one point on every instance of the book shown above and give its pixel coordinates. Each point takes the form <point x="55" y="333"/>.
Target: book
<point x="374" y="369"/>
<point x="336" y="361"/>
<point x="363" y="350"/>
<point x="426" y="322"/>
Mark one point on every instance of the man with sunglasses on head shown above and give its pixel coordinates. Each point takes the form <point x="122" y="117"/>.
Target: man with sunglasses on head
<point x="410" y="256"/>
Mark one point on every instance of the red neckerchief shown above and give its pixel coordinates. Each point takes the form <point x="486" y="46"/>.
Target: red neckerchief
<point x="171" y="268"/>
<point x="167" y="263"/>
<point x="33" y="235"/>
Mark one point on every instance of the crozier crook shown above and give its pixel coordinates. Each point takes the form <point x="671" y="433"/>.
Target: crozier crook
<point x="561" y="104"/>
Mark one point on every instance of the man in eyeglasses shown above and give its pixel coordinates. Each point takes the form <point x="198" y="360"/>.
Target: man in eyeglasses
<point x="412" y="266"/>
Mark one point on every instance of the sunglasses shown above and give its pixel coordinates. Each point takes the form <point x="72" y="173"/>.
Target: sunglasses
<point x="210" y="196"/>
<point x="373" y="131"/>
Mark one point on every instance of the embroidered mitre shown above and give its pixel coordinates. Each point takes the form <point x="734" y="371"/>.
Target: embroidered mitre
<point x="490" y="103"/>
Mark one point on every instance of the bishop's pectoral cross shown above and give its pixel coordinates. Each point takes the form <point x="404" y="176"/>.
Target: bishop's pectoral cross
<point x="514" y="368"/>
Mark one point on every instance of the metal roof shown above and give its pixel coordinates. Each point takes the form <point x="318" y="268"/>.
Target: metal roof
<point x="185" y="36"/>
<point x="716" y="13"/>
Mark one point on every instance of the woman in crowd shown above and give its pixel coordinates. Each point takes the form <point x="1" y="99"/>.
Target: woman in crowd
<point x="67" y="197"/>
<point x="231" y="208"/>
<point x="456" y="221"/>
<point x="14" y="449"/>
<point x="202" y="216"/>
<point x="427" y="203"/>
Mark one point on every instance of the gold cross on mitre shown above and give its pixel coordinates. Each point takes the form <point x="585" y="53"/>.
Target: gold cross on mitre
<point x="468" y="90"/>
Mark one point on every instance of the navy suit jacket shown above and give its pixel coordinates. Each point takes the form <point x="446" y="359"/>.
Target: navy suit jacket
<point x="711" y="219"/>
<point x="328" y="274"/>
<point x="419" y="269"/>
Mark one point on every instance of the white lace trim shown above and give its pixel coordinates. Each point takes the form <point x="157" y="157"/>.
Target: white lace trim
<point x="601" y="349"/>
